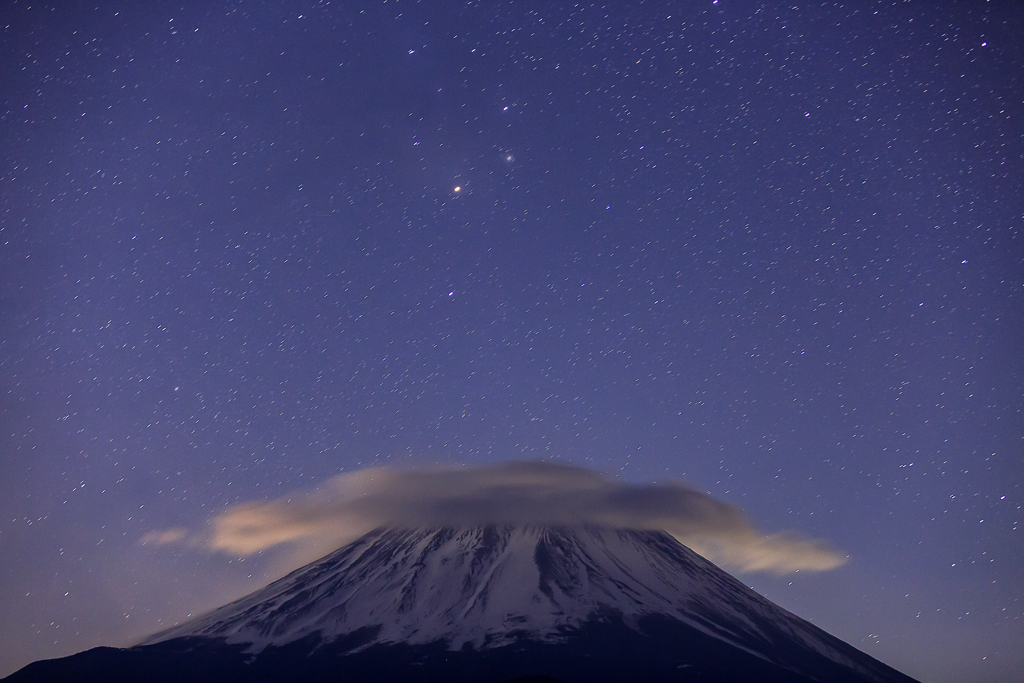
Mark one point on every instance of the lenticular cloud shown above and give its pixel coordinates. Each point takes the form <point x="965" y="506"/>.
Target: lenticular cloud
<point x="349" y="505"/>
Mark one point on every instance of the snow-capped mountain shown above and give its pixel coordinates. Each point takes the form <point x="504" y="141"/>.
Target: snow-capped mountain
<point x="490" y="586"/>
<point x="497" y="603"/>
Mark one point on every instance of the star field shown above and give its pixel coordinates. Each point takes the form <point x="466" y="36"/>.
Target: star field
<point x="772" y="250"/>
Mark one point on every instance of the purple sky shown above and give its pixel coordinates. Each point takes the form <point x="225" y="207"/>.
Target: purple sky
<point x="774" y="251"/>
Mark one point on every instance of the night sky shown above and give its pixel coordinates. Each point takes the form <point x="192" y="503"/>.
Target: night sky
<point x="775" y="250"/>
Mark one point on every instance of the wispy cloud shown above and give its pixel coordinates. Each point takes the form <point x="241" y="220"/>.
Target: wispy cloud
<point x="165" y="537"/>
<point x="349" y="505"/>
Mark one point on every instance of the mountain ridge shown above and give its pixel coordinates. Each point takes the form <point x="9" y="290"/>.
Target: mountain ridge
<point x="492" y="603"/>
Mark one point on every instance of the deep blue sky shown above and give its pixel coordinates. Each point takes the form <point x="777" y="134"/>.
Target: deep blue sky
<point x="774" y="250"/>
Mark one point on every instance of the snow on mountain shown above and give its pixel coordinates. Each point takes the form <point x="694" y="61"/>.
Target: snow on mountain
<point x="489" y="604"/>
<point x="486" y="587"/>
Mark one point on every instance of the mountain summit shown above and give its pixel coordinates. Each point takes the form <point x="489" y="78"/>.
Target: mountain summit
<point x="491" y="604"/>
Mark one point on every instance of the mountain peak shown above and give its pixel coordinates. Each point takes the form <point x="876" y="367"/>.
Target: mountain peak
<point x="476" y="586"/>
<point x="492" y="602"/>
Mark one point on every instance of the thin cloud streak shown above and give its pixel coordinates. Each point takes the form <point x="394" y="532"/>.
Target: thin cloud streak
<point x="349" y="505"/>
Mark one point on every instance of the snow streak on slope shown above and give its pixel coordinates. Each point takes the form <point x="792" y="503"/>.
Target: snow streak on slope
<point x="490" y="586"/>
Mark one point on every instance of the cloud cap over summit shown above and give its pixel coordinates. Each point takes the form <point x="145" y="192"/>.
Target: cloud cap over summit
<point x="531" y="492"/>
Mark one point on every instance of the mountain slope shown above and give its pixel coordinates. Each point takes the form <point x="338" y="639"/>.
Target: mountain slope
<point x="495" y="603"/>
